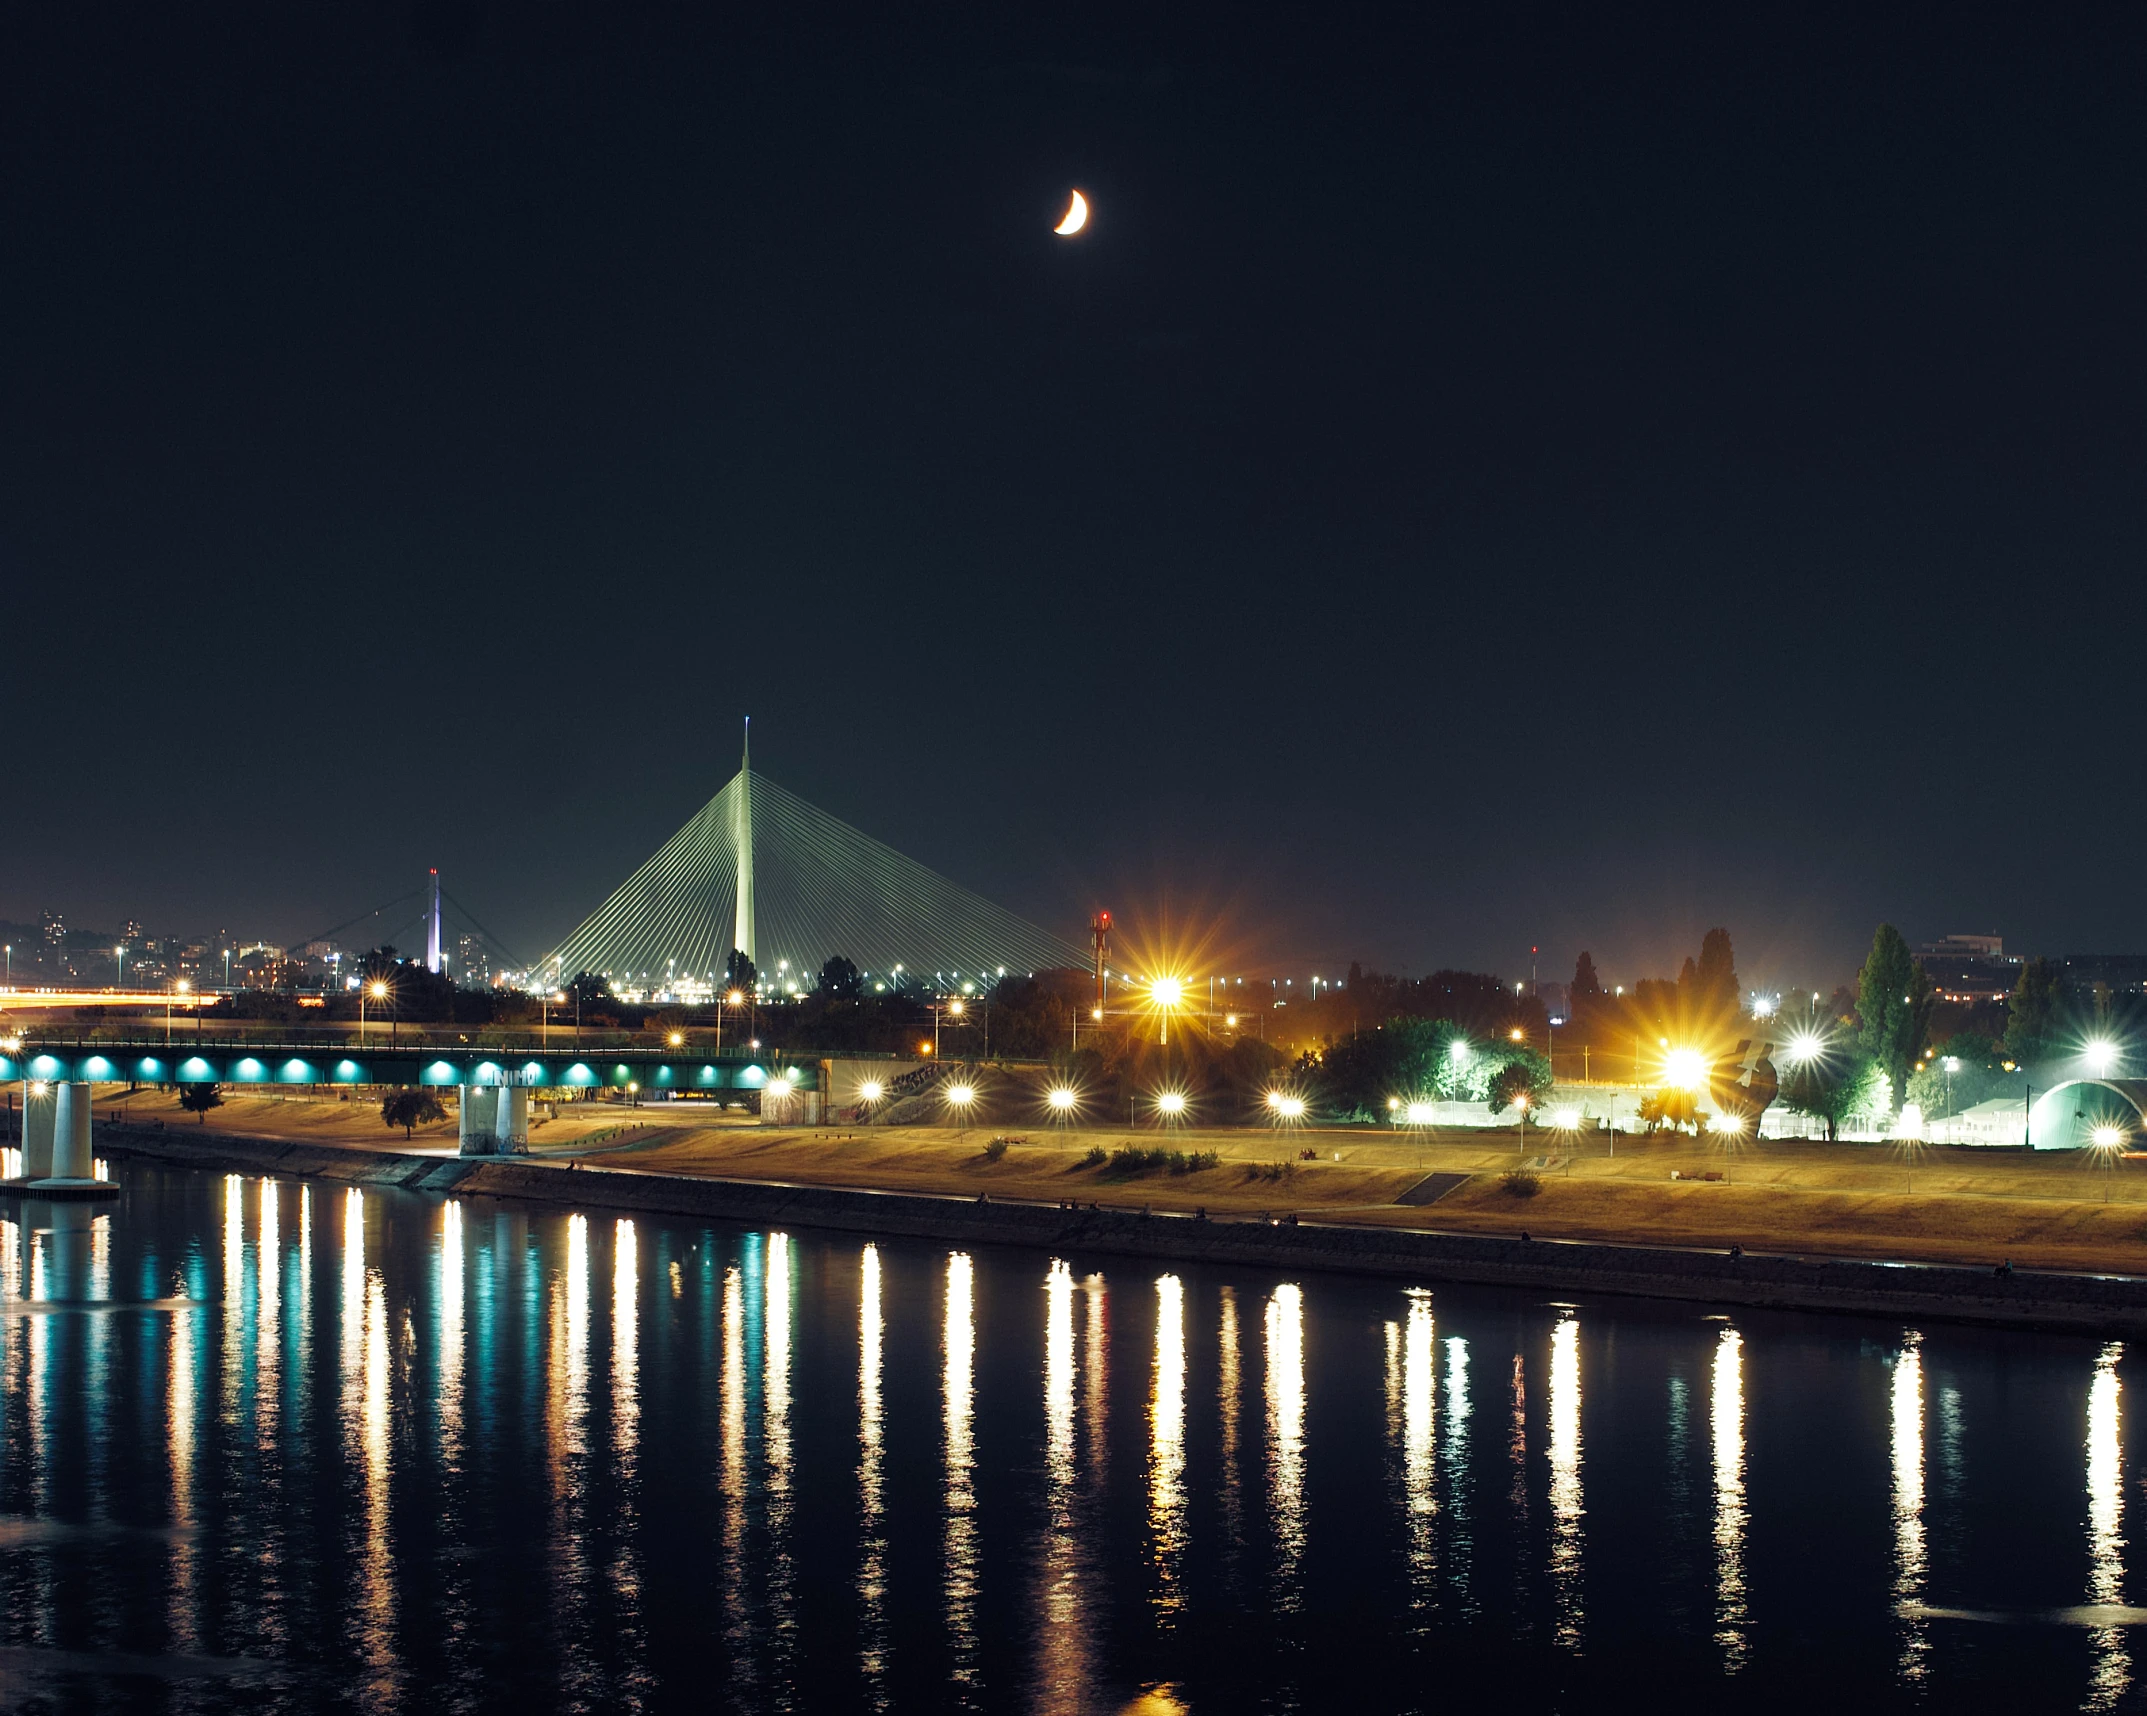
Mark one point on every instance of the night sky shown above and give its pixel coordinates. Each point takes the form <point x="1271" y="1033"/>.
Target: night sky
<point x="1555" y="475"/>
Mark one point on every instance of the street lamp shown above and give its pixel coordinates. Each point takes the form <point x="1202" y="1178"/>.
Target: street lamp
<point x="953" y="1006"/>
<point x="2107" y="1141"/>
<point x="1287" y="1108"/>
<point x="1686" y="1069"/>
<point x="959" y="1097"/>
<point x="180" y="987"/>
<point x="120" y="953"/>
<point x="378" y="991"/>
<point x="1165" y="995"/>
<point x="1171" y="1106"/>
<point x="1730" y="1128"/>
<point x="1064" y="1099"/>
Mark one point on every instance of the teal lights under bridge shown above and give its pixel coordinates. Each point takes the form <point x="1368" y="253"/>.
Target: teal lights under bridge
<point x="243" y="1064"/>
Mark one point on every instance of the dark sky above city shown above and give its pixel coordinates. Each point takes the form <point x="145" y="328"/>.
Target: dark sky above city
<point x="1487" y="476"/>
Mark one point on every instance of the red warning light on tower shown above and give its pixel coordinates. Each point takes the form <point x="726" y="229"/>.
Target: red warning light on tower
<point x="1099" y="929"/>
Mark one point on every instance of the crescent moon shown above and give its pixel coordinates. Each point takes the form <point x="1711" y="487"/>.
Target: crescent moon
<point x="1076" y="217"/>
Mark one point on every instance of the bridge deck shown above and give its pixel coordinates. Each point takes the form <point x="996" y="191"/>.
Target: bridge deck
<point x="339" y="1063"/>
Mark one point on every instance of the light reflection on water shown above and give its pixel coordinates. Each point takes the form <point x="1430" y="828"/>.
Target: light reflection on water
<point x="1064" y="1669"/>
<point x="1728" y="1405"/>
<point x="365" y="1426"/>
<point x="2112" y="1674"/>
<point x="524" y="1474"/>
<point x="732" y="1480"/>
<point x="1286" y="1438"/>
<point x="871" y="1483"/>
<point x="1419" y="1439"/>
<point x="959" y="1407"/>
<point x="1454" y="1472"/>
<point x="1910" y="1563"/>
<point x="1565" y="1494"/>
<point x="1229" y="1386"/>
<point x="778" y="1494"/>
<point x="1166" y="1453"/>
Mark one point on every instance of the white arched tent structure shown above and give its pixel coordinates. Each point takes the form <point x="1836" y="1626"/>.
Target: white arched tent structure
<point x="2067" y="1116"/>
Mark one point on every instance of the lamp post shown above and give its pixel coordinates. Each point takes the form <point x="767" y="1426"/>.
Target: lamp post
<point x="959" y="1097"/>
<point x="120" y="953"/>
<point x="939" y="1007"/>
<point x="179" y="987"/>
<point x="377" y="990"/>
<point x="1165" y="994"/>
<point x="2107" y="1141"/>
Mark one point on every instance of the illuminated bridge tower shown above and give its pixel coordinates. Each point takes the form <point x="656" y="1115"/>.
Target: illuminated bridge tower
<point x="432" y="924"/>
<point x="786" y="884"/>
<point x="742" y="834"/>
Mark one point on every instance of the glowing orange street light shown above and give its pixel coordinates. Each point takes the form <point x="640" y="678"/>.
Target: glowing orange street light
<point x="1686" y="1069"/>
<point x="959" y="1097"/>
<point x="1165" y="995"/>
<point x="378" y="991"/>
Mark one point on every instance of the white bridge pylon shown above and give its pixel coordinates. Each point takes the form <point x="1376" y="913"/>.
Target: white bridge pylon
<point x="761" y="870"/>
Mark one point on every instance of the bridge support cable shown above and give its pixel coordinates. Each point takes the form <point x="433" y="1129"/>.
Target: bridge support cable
<point x="757" y="864"/>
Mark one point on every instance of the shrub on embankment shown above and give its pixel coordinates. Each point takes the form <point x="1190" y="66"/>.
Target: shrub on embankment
<point x="1131" y="1161"/>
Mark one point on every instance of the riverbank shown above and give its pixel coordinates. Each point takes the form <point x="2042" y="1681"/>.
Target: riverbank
<point x="2055" y="1211"/>
<point x="1419" y="1253"/>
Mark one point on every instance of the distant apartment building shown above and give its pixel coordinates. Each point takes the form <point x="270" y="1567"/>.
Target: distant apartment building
<point x="473" y="969"/>
<point x="1970" y="968"/>
<point x="1977" y="968"/>
<point x="2120" y="973"/>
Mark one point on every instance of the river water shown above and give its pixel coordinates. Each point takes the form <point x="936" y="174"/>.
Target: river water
<point x="286" y="1445"/>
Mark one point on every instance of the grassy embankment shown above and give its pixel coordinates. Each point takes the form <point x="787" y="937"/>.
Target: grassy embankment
<point x="2052" y="1211"/>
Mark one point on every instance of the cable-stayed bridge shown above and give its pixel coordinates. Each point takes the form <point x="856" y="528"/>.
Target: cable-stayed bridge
<point x="760" y="870"/>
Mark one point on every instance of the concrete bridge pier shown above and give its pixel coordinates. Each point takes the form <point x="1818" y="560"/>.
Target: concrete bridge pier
<point x="477" y="1117"/>
<point x="71" y="1155"/>
<point x="40" y="1105"/>
<point x="513" y="1125"/>
<point x="56" y="1157"/>
<point x="494" y="1120"/>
